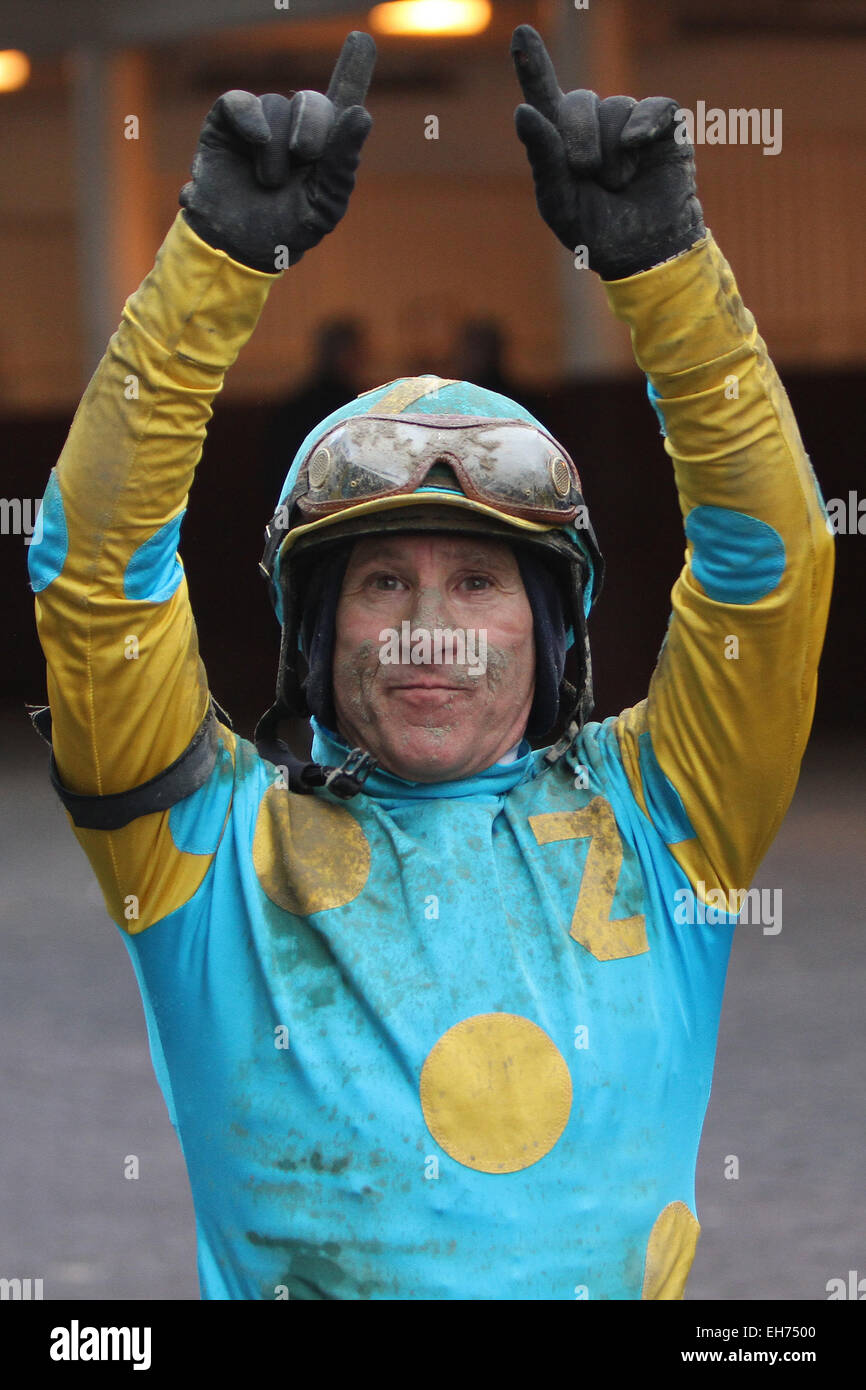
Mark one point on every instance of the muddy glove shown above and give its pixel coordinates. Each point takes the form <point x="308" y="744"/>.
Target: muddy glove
<point x="272" y="176"/>
<point x="609" y="175"/>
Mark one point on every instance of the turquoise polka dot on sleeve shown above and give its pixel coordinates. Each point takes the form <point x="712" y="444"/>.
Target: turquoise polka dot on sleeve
<point x="736" y="558"/>
<point x="46" y="554"/>
<point x="654" y="400"/>
<point x="154" y="571"/>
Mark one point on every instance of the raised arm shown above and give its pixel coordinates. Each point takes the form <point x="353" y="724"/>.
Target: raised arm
<point x="127" y="692"/>
<point x="731" y="700"/>
<point x="714" y="753"/>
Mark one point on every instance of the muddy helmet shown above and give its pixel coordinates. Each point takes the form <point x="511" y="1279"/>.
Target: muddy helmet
<point x="431" y="454"/>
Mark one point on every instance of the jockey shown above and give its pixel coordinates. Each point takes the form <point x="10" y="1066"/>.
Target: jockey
<point x="425" y="1011"/>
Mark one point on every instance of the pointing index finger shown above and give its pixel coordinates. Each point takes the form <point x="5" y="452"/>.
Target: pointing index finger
<point x="535" y="71"/>
<point x="352" y="71"/>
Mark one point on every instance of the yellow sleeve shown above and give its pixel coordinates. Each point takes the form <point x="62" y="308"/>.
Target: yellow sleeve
<point x="731" y="701"/>
<point x="126" y="688"/>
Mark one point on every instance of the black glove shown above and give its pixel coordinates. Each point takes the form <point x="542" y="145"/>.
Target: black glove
<point x="609" y="175"/>
<point x="270" y="172"/>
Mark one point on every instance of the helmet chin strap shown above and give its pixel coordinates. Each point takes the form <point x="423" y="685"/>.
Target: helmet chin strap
<point x="548" y="617"/>
<point x="318" y="633"/>
<point x="304" y="776"/>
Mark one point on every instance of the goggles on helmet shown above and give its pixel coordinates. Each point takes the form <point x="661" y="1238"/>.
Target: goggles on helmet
<point x="511" y="466"/>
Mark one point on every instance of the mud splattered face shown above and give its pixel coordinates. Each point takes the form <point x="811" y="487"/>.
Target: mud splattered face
<point x="434" y="656"/>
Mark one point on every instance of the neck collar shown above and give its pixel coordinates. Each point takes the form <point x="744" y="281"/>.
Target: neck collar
<point x="330" y="749"/>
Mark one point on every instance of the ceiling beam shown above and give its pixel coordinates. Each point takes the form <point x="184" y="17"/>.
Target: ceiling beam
<point x="53" y="26"/>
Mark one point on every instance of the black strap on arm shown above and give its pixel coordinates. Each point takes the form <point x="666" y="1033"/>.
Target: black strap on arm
<point x="183" y="777"/>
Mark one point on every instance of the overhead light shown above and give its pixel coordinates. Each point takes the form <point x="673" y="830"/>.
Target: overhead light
<point x="431" y="17"/>
<point x="14" y="69"/>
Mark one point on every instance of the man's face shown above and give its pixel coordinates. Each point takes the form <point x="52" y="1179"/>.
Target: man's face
<point x="396" y="693"/>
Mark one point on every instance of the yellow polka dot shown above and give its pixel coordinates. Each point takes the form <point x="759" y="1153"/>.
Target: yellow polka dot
<point x="496" y="1092"/>
<point x="309" y="855"/>
<point x="670" y="1251"/>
